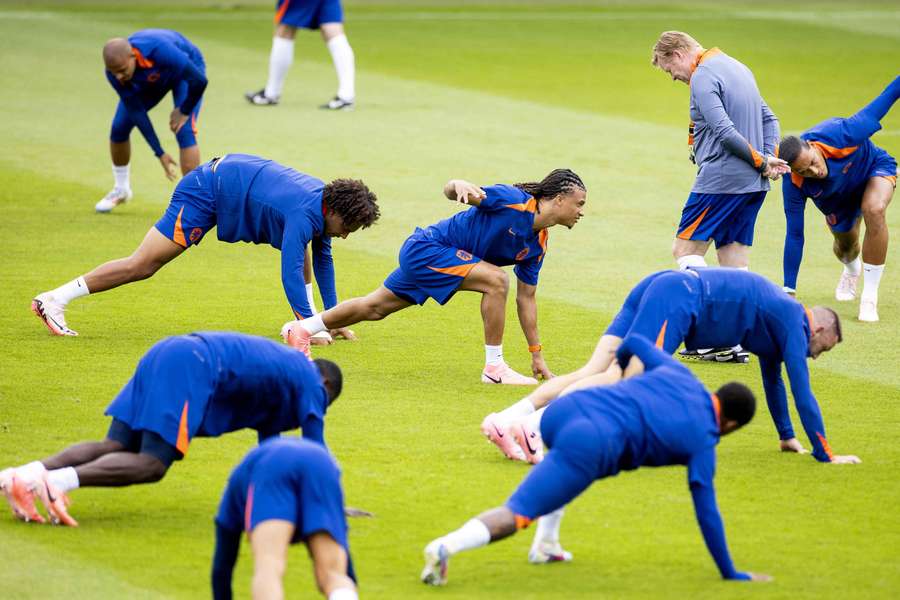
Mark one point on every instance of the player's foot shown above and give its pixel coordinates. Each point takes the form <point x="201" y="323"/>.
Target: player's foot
<point x="337" y="103"/>
<point x="54" y="500"/>
<point x="52" y="313"/>
<point x="436" y="560"/>
<point x="504" y="374"/>
<point x="500" y="436"/>
<point x="868" y="311"/>
<point x="723" y="355"/>
<point x="112" y="199"/>
<point x="548" y="552"/>
<point x="260" y="99"/>
<point x="323" y="338"/>
<point x="846" y="287"/>
<point x="296" y="337"/>
<point x="19" y="496"/>
<point x="529" y="441"/>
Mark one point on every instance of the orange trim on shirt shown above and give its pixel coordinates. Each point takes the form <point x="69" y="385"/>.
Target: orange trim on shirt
<point x="797" y="180"/>
<point x="812" y="321"/>
<point x="248" y="509"/>
<point x="522" y="522"/>
<point x="757" y="157"/>
<point x="281" y="10"/>
<point x="825" y="445"/>
<point x="178" y="232"/>
<point x="529" y="206"/>
<point x="458" y="270"/>
<point x="832" y="152"/>
<point x="717" y="407"/>
<point x="183" y="440"/>
<point x="661" y="336"/>
<point x="144" y="63"/>
<point x="543" y="235"/>
<point x="891" y="178"/>
<point x="704" y="56"/>
<point x="194" y="123"/>
<point x="690" y="229"/>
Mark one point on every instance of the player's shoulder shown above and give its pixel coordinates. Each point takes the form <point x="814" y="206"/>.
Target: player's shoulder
<point x="505" y="192"/>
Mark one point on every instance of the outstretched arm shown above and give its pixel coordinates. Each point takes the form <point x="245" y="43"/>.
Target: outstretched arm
<point x="708" y="100"/>
<point x="293" y="247"/>
<point x="463" y="192"/>
<point x="867" y="121"/>
<point x="794" y="207"/>
<point x="526" y="306"/>
<point x="224" y="559"/>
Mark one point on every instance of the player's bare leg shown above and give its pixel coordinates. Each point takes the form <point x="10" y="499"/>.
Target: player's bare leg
<point x="189" y="157"/>
<point x="120" y="153"/>
<point x="120" y="469"/>
<point x="155" y="251"/>
<point x="734" y="255"/>
<point x="280" y="60"/>
<point x="689" y="253"/>
<point x="846" y="249"/>
<point x="876" y="198"/>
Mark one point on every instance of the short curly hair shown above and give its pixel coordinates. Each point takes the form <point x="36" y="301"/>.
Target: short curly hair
<point x="353" y="201"/>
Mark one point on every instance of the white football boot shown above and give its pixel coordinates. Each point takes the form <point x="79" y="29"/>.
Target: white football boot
<point x="52" y="313"/>
<point x="868" y="311"/>
<point x="112" y="199"/>
<point x="846" y="287"/>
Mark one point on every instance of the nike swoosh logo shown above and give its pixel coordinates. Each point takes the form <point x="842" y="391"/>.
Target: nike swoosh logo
<point x="492" y="379"/>
<point x="528" y="443"/>
<point x="49" y="493"/>
<point x="497" y="429"/>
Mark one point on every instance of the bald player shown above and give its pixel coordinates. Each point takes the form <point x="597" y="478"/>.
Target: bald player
<point x="142" y="70"/>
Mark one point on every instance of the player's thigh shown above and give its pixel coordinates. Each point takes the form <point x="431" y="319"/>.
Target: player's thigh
<point x="878" y="195"/>
<point x="385" y="301"/>
<point x="734" y="255"/>
<point x="331" y="30"/>
<point x="682" y="247"/>
<point x="191" y="212"/>
<point x="485" y="277"/>
<point x="156" y="249"/>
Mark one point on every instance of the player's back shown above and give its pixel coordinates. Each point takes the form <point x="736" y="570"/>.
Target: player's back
<point x="260" y="383"/>
<point x="849" y="154"/>
<point x="257" y="199"/>
<point x="148" y="40"/>
<point x="665" y="414"/>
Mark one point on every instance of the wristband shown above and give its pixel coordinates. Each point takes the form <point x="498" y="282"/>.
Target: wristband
<point x="535" y="348"/>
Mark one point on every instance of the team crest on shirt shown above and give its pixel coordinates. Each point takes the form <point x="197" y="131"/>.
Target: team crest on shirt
<point x="153" y="77"/>
<point x="196" y="234"/>
<point x="847" y="167"/>
<point x="463" y="255"/>
<point x="522" y="253"/>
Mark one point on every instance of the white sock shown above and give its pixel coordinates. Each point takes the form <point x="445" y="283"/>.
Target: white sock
<point x="310" y="298"/>
<point x="522" y="408"/>
<point x="33" y="471"/>
<point x="871" y="279"/>
<point x="314" y="324"/>
<point x="474" y="534"/>
<point x="853" y="267"/>
<point x="65" y="479"/>
<point x="343" y="594"/>
<point x="69" y="291"/>
<point x="280" y="60"/>
<point x="345" y="65"/>
<point x="691" y="260"/>
<point x="493" y="355"/>
<point x="548" y="528"/>
<point x="533" y="421"/>
<point x="121" y="177"/>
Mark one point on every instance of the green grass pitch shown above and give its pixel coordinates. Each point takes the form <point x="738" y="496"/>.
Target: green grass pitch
<point x="497" y="92"/>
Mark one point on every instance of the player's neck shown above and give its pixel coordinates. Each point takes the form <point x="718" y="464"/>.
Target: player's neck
<point x="542" y="220"/>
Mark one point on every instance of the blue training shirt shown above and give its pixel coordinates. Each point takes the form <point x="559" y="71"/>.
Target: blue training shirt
<point x="499" y="230"/>
<point x="289" y="480"/>
<point x="164" y="59"/>
<point x="264" y="386"/>
<point x="667" y="418"/>
<point x="263" y="202"/>
<point x="849" y="155"/>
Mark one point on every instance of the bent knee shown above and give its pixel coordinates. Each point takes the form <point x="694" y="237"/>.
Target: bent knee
<point x="498" y="281"/>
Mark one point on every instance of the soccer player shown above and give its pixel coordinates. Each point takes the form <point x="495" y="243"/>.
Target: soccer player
<point x="249" y="199"/>
<point x="659" y="415"/>
<point x="732" y="137"/>
<point x="507" y="225"/>
<point x="706" y="307"/>
<point x="143" y="69"/>
<point x="284" y="492"/>
<point x="326" y="15"/>
<point x="198" y="385"/>
<point x="848" y="178"/>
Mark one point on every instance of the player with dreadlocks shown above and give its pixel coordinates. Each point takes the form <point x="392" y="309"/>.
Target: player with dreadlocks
<point x="249" y="199"/>
<point x="506" y="225"/>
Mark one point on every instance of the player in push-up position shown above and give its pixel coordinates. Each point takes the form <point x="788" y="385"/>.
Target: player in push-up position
<point x="198" y="385"/>
<point x="704" y="307"/>
<point x="284" y="492"/>
<point x="659" y="415"/>
<point x="142" y="70"/>
<point x="248" y="199"/>
<point x="849" y="179"/>
<point x="507" y="225"/>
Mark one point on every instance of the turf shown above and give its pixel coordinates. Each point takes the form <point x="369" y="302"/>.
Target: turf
<point x="488" y="92"/>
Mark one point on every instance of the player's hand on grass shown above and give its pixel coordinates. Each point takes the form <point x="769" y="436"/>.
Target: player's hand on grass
<point x="775" y="168"/>
<point x="467" y="192"/>
<point x="169" y="166"/>
<point x="846" y="459"/>
<point x="793" y="445"/>
<point x="177" y="120"/>
<point x="539" y="368"/>
<point x="351" y="512"/>
<point x="343" y="332"/>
